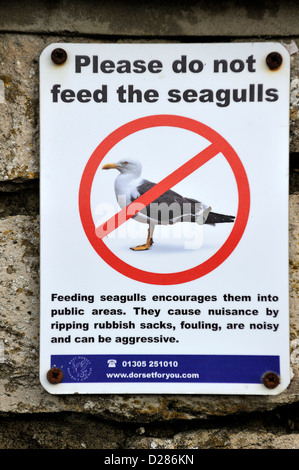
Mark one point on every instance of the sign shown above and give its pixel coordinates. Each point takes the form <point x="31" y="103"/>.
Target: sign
<point x="168" y="273"/>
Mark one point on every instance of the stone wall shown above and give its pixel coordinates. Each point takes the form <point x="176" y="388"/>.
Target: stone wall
<point x="31" y="418"/>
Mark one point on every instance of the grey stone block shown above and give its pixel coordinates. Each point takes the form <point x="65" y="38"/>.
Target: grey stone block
<point x="200" y="18"/>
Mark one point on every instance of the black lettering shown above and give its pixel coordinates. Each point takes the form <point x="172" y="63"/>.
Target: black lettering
<point x="260" y="92"/>
<point x="179" y="66"/>
<point x="84" y="96"/>
<point x="174" y="96"/>
<point x="217" y="64"/>
<point x="155" y="66"/>
<point x="272" y="94"/>
<point x="190" y="96"/>
<point x="151" y="96"/>
<point x="239" y="97"/>
<point x="223" y="98"/>
<point x="100" y="95"/>
<point x="95" y="64"/>
<point x="55" y="91"/>
<point x="237" y="65"/>
<point x="104" y="339"/>
<point x="134" y="93"/>
<point x="81" y="61"/>
<point x="68" y="96"/>
<point x="206" y="96"/>
<point x="250" y="61"/>
<point x="139" y="66"/>
<point x="121" y="94"/>
<point x="107" y="66"/>
<point x="123" y="66"/>
<point x="195" y="66"/>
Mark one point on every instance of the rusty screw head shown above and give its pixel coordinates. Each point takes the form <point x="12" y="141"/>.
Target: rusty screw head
<point x="274" y="60"/>
<point x="59" y="56"/>
<point x="271" y="380"/>
<point x="54" y="375"/>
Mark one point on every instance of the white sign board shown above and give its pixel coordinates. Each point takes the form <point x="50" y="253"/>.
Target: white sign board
<point x="180" y="286"/>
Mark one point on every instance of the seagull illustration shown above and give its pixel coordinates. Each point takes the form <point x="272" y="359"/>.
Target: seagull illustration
<point x="169" y="208"/>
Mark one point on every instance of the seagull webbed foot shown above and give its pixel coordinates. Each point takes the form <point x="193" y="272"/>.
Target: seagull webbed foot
<point x="144" y="247"/>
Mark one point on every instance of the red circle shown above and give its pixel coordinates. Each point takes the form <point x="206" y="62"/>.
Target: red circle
<point x="164" y="278"/>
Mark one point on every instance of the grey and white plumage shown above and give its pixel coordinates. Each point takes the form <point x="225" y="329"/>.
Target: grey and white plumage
<point x="167" y="209"/>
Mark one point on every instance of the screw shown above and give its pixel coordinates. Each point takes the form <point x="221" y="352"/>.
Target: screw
<point x="59" y="56"/>
<point x="274" y="60"/>
<point x="54" y="375"/>
<point x="271" y="379"/>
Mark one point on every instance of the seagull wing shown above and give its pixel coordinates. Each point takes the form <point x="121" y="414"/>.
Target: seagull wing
<point x="170" y="207"/>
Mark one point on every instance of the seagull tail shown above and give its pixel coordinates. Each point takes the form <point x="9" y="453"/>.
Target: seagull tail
<point x="202" y="216"/>
<point x="214" y="218"/>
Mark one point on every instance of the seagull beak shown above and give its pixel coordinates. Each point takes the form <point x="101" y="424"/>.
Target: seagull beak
<point x="109" y="166"/>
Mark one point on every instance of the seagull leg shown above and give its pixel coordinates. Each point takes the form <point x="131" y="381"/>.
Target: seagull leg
<point x="149" y="240"/>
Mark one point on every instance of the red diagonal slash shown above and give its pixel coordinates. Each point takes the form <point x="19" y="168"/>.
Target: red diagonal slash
<point x="160" y="188"/>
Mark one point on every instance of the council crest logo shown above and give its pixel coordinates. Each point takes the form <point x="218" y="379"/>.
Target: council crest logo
<point x="79" y="368"/>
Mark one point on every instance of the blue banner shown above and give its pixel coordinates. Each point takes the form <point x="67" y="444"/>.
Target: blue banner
<point x="96" y="368"/>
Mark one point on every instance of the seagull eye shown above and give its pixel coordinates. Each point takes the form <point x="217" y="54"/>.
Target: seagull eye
<point x="125" y="163"/>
